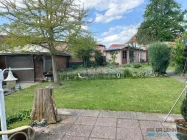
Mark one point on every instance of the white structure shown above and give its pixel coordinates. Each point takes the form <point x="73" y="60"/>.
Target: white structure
<point x="2" y="101"/>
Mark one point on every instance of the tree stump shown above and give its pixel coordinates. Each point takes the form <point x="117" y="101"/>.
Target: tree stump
<point x="44" y="106"/>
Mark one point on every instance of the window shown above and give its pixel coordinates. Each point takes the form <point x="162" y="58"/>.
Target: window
<point x="124" y="54"/>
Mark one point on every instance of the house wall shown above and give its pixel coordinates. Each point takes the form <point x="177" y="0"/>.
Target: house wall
<point x="140" y="56"/>
<point x="2" y="62"/>
<point x="61" y="62"/>
<point x="22" y="61"/>
<point x="118" y="57"/>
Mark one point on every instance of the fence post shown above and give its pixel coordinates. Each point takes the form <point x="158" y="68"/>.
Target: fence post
<point x="2" y="107"/>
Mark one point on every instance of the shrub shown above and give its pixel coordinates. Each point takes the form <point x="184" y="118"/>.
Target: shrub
<point x="20" y="116"/>
<point x="183" y="109"/>
<point x="159" y="56"/>
<point x="127" y="73"/>
<point x="127" y="65"/>
<point x="179" y="55"/>
<point x="137" y="65"/>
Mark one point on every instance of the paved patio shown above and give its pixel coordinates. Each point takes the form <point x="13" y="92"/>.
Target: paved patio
<point x="108" y="125"/>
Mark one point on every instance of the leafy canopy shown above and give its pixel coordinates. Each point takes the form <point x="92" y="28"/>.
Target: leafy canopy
<point x="45" y="22"/>
<point x="162" y="19"/>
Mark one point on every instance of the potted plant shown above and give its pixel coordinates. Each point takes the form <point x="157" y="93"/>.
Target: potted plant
<point x="181" y="124"/>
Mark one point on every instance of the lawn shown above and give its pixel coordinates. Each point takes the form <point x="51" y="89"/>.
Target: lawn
<point x="143" y="95"/>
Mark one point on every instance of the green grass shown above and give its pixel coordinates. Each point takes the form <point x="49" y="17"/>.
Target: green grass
<point x="142" y="95"/>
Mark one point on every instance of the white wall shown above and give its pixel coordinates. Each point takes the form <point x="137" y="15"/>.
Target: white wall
<point x="118" y="57"/>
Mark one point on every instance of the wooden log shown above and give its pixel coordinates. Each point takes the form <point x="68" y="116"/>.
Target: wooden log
<point x="44" y="106"/>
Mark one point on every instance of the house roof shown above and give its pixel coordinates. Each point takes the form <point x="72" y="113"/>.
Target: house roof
<point x="116" y="48"/>
<point x="30" y="49"/>
<point x="116" y="45"/>
<point x="101" y="45"/>
<point x="133" y="39"/>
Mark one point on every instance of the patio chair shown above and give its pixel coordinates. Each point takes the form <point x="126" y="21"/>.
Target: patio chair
<point x="20" y="133"/>
<point x="81" y="77"/>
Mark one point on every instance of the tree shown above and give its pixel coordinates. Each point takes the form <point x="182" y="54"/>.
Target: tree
<point x="83" y="47"/>
<point x="99" y="58"/>
<point x="179" y="53"/>
<point x="161" y="19"/>
<point x="48" y="23"/>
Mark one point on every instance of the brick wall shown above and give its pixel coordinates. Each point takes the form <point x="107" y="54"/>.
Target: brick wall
<point x="61" y="62"/>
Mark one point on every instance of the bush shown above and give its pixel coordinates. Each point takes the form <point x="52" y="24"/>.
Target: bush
<point x="127" y="65"/>
<point x="127" y="73"/>
<point x="137" y="65"/>
<point x="183" y="109"/>
<point x="20" y="116"/>
<point x="179" y="55"/>
<point x="159" y="56"/>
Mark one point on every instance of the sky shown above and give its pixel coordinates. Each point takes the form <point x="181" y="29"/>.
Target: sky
<point x="115" y="21"/>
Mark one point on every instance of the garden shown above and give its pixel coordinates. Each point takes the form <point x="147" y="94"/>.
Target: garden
<point x="142" y="95"/>
<point x="131" y="87"/>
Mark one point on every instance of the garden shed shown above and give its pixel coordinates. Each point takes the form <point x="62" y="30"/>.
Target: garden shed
<point x="40" y="62"/>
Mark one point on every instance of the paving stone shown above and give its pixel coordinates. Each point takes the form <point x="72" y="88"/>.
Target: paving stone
<point x="148" y="116"/>
<point x="75" y="112"/>
<point x="63" y="112"/>
<point x="106" y="122"/>
<point x="127" y="123"/>
<point x="108" y="114"/>
<point x="59" y="128"/>
<point x="86" y="120"/>
<point x="41" y="136"/>
<point x="99" y="139"/>
<point x="55" y="137"/>
<point x="171" y="127"/>
<point x="103" y="132"/>
<point x="80" y="130"/>
<point x="91" y="113"/>
<point x="129" y="134"/>
<point x="68" y="119"/>
<point x="134" y="115"/>
<point x="74" y="138"/>
<point x="150" y="124"/>
<point x="123" y="114"/>
<point x="154" y="135"/>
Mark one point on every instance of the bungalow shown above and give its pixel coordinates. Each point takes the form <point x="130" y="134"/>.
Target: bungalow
<point x="34" y="57"/>
<point x="123" y="52"/>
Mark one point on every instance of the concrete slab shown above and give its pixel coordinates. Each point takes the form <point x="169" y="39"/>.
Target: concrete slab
<point x="104" y="132"/>
<point x="91" y="113"/>
<point x="109" y="125"/>
<point x="127" y="123"/>
<point x="74" y="138"/>
<point x="106" y="122"/>
<point x="80" y="130"/>
<point x="129" y="134"/>
<point x="86" y="120"/>
<point x="108" y="114"/>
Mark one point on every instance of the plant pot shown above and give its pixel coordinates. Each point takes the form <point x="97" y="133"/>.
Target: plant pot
<point x="181" y="126"/>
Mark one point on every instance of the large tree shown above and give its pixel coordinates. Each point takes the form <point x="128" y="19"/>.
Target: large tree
<point x="83" y="47"/>
<point x="162" y="18"/>
<point x="48" y="23"/>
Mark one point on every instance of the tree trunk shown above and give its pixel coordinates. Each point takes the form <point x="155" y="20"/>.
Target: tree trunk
<point x="44" y="106"/>
<point x="55" y="74"/>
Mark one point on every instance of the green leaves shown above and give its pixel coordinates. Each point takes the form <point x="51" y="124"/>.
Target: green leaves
<point x="161" y="19"/>
<point x="159" y="56"/>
